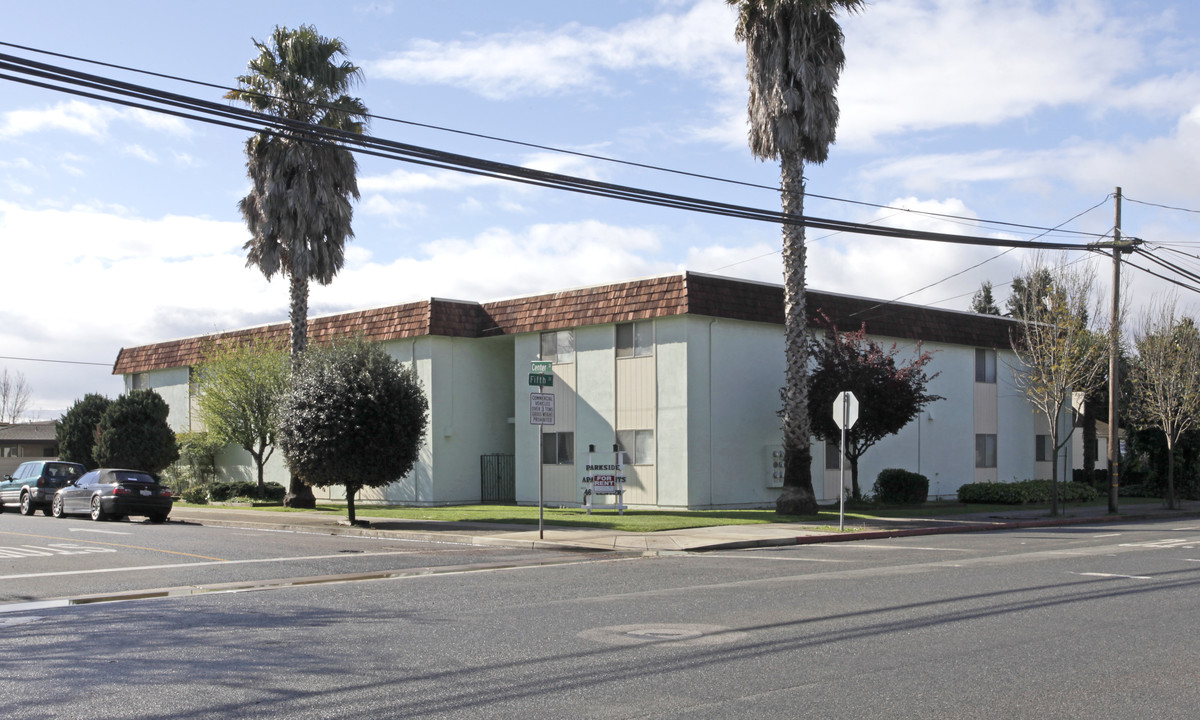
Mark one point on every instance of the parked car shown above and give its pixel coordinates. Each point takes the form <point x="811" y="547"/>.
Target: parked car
<point x="113" y="494"/>
<point x="33" y="484"/>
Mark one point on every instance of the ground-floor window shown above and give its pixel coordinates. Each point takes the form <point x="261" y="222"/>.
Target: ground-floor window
<point x="833" y="455"/>
<point x="1045" y="451"/>
<point x="558" y="448"/>
<point x="638" y="445"/>
<point x="985" y="450"/>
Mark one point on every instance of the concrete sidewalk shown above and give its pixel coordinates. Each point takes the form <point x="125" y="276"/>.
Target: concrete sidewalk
<point x="722" y="537"/>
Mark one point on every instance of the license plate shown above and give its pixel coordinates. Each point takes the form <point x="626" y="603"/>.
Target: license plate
<point x="147" y="492"/>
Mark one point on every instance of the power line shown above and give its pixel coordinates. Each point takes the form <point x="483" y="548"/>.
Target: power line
<point x="152" y="100"/>
<point x="657" y="168"/>
<point x="60" y="362"/>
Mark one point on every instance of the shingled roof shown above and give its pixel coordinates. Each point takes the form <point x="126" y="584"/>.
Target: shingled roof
<point x="679" y="294"/>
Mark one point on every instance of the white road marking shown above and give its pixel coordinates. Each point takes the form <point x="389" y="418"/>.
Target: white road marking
<point x="1175" y="542"/>
<point x="1107" y="535"/>
<point x="106" y="532"/>
<point x="1111" y="575"/>
<point x="853" y="545"/>
<point x="138" y="568"/>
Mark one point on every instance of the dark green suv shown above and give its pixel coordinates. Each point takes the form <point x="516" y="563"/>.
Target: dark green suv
<point x="34" y="483"/>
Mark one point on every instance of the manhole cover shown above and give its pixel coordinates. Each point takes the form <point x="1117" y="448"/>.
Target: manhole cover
<point x="667" y="634"/>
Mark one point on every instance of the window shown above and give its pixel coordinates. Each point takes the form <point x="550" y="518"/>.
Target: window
<point x="558" y="448"/>
<point x="833" y="455"/>
<point x="985" y="365"/>
<point x="559" y="346"/>
<point x="1045" y="449"/>
<point x="638" y="446"/>
<point x="985" y="451"/>
<point x="140" y="381"/>
<point x="635" y="339"/>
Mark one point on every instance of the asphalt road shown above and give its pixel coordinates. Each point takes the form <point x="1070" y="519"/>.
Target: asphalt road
<point x="1092" y="622"/>
<point x="43" y="558"/>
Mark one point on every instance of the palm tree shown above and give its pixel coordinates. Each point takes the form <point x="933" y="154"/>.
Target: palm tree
<point x="299" y="210"/>
<point x="794" y="57"/>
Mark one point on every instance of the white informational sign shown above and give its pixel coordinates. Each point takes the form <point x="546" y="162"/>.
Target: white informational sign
<point x="541" y="409"/>
<point x="604" y="478"/>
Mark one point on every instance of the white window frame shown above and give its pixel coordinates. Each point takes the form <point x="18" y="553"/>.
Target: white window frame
<point x="985" y="450"/>
<point x="563" y="342"/>
<point x="635" y="339"/>
<point x="985" y="365"/>
<point x="642" y="451"/>
<point x="563" y="443"/>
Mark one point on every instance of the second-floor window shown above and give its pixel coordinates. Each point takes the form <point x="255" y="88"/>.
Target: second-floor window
<point x="635" y="339"/>
<point x="558" y="346"/>
<point x="985" y="365"/>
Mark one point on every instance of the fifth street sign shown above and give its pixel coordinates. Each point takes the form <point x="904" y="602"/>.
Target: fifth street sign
<point x="845" y="410"/>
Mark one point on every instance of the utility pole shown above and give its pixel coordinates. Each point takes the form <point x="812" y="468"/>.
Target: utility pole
<point x="1119" y="246"/>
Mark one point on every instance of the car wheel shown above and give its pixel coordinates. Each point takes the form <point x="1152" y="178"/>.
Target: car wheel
<point x="98" y="513"/>
<point x="56" y="507"/>
<point x="26" y="504"/>
<point x="158" y="518"/>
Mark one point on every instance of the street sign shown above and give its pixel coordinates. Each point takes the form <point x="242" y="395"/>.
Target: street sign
<point x="541" y="409"/>
<point x="845" y="410"/>
<point x="541" y="380"/>
<point x="541" y="367"/>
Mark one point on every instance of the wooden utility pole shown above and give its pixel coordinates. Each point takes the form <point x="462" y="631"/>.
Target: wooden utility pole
<point x="1114" y="385"/>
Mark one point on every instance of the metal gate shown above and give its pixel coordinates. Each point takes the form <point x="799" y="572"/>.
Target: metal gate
<point x="497" y="478"/>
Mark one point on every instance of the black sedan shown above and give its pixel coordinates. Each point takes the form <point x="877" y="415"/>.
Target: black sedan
<point x="113" y="494"/>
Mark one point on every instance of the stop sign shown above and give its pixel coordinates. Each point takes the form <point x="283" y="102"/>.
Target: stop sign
<point x="845" y="410"/>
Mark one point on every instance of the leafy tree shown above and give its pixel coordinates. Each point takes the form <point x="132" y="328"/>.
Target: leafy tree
<point x="298" y="210"/>
<point x="134" y="434"/>
<point x="794" y="58"/>
<point x="1058" y="352"/>
<point x="890" y="392"/>
<point x="78" y="429"/>
<point x="238" y="399"/>
<point x="983" y="302"/>
<point x="352" y="416"/>
<point x="1166" y="380"/>
<point x="1029" y="292"/>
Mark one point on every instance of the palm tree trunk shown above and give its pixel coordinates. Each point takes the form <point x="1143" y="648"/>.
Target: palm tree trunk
<point x="298" y="291"/>
<point x="797" y="497"/>
<point x="299" y="494"/>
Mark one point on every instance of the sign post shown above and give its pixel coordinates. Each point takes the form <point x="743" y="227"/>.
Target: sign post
<point x="541" y="413"/>
<point x="845" y="414"/>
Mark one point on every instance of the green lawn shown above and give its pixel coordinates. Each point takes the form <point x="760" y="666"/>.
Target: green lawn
<point x="659" y="520"/>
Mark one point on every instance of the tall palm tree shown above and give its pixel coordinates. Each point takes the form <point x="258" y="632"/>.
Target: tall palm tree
<point x="298" y="210"/>
<point x="299" y="207"/>
<point x="794" y="57"/>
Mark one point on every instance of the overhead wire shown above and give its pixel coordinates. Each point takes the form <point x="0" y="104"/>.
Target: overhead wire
<point x="962" y="219"/>
<point x="149" y="99"/>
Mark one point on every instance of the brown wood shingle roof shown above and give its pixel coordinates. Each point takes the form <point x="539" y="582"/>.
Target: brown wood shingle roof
<point x="684" y="293"/>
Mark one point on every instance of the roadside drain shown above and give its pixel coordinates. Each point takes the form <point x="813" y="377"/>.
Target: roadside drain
<point x="668" y="634"/>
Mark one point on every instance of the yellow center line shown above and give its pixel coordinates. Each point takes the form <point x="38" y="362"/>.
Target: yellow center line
<point x="120" y="545"/>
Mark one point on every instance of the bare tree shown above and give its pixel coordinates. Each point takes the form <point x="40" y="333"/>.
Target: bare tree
<point x="15" y="394"/>
<point x="1165" y="378"/>
<point x="1058" y="349"/>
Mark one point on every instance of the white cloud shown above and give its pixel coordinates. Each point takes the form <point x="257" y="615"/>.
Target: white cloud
<point x="83" y="118"/>
<point x="1165" y="167"/>
<point x="572" y="58"/>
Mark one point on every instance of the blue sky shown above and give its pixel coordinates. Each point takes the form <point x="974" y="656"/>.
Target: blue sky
<point x="121" y="228"/>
